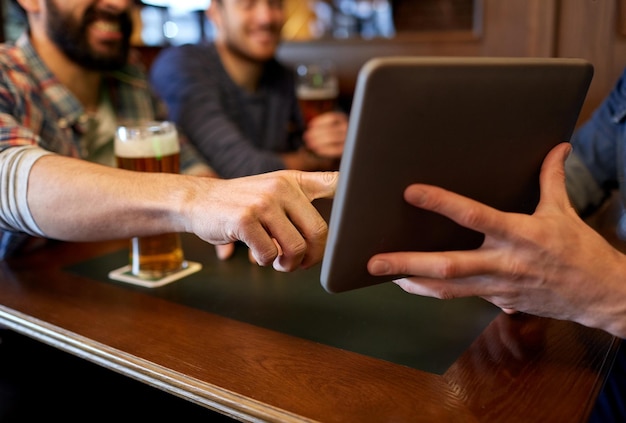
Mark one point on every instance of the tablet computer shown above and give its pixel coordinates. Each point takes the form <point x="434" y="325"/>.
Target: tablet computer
<point x="479" y="126"/>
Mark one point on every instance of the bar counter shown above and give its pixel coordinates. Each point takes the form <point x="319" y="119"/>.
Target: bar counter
<point x="259" y="345"/>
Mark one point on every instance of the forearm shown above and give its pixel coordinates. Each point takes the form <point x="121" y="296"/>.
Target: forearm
<point x="74" y="200"/>
<point x="607" y="295"/>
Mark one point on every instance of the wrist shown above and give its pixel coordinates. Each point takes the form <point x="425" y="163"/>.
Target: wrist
<point x="609" y="311"/>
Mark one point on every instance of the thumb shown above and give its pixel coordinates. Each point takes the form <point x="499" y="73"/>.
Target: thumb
<point x="552" y="177"/>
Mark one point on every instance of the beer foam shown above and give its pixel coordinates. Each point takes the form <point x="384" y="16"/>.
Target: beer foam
<point x="325" y="93"/>
<point x="157" y="145"/>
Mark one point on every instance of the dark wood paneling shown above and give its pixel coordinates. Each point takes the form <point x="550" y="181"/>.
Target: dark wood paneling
<point x="433" y="15"/>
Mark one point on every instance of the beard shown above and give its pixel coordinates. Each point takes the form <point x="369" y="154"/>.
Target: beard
<point x="71" y="38"/>
<point x="236" y="43"/>
<point x="242" y="53"/>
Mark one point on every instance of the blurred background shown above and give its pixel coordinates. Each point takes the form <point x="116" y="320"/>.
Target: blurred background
<point x="175" y="22"/>
<point x="349" y="32"/>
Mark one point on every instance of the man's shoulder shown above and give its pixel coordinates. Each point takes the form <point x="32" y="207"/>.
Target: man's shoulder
<point x="188" y="61"/>
<point x="17" y="72"/>
<point x="12" y="58"/>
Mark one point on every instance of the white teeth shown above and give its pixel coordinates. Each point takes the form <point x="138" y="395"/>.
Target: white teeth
<point x="107" y="26"/>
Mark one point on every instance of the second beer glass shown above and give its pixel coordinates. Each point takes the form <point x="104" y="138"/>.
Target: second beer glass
<point x="151" y="147"/>
<point x="317" y="89"/>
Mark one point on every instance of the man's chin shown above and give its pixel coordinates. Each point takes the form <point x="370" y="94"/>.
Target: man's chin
<point x="252" y="53"/>
<point x="109" y="49"/>
<point x="263" y="54"/>
<point x="110" y="57"/>
<point x="104" y="62"/>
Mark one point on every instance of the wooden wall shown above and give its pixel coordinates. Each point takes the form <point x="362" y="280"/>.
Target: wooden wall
<point x="589" y="29"/>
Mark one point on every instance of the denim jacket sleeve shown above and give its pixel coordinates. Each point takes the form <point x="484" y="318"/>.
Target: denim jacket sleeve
<point x="597" y="162"/>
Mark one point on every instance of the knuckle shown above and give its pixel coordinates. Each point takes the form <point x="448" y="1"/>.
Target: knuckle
<point x="279" y="181"/>
<point x="248" y="218"/>
<point x="447" y="268"/>
<point x="297" y="249"/>
<point x="320" y="231"/>
<point x="515" y="270"/>
<point x="472" y="217"/>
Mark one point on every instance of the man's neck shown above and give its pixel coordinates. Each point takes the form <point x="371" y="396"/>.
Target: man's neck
<point x="83" y="83"/>
<point x="245" y="73"/>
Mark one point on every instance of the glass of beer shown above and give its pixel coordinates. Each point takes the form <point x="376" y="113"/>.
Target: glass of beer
<point x="317" y="89"/>
<point x="151" y="147"/>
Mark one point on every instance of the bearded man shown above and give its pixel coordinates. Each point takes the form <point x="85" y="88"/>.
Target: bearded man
<point x="67" y="81"/>
<point x="65" y="84"/>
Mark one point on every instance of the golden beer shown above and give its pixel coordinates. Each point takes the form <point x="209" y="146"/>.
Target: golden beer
<point x="317" y="89"/>
<point x="152" y="147"/>
<point x="313" y="104"/>
<point x="169" y="163"/>
<point x="153" y="257"/>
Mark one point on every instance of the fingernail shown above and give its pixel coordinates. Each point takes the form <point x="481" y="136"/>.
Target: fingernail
<point x="379" y="267"/>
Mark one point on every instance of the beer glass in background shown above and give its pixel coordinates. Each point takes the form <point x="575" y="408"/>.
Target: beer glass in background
<point x="317" y="89"/>
<point x="151" y="147"/>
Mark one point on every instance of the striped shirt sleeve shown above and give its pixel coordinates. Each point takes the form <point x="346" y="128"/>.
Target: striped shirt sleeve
<point x="15" y="166"/>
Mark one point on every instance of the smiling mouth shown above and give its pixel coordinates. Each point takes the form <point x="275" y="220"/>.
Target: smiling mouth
<point x="107" y="28"/>
<point x="265" y="36"/>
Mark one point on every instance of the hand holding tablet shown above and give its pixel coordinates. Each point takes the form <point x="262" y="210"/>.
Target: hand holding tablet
<point x="480" y="127"/>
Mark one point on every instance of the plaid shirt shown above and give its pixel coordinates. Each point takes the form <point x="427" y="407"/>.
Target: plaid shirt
<point x="36" y="109"/>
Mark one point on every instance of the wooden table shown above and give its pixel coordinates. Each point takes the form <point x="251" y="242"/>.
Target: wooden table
<point x="259" y="345"/>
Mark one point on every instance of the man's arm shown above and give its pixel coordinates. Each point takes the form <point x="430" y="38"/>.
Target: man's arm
<point x="592" y="168"/>
<point x="324" y="141"/>
<point x="74" y="200"/>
